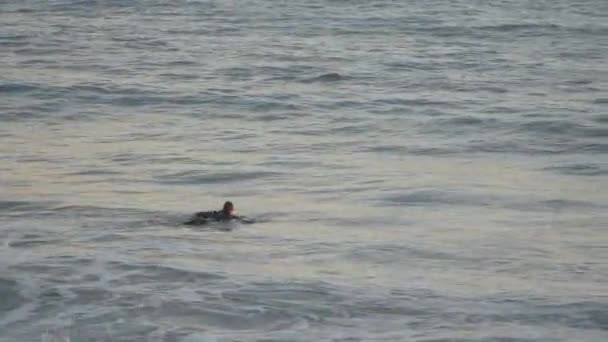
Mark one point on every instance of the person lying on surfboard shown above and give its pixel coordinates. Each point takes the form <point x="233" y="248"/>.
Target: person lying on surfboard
<point x="224" y="215"/>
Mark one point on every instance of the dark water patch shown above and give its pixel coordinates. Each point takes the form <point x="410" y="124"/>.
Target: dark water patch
<point x="127" y="159"/>
<point x="485" y="339"/>
<point x="462" y="121"/>
<point x="223" y="90"/>
<point x="340" y="104"/>
<point x="178" y="76"/>
<point x="385" y="307"/>
<point x="93" y="172"/>
<point x="282" y="78"/>
<point x="351" y="129"/>
<point x="26" y="10"/>
<point x="93" y="215"/>
<point x="495" y="90"/>
<point x="58" y="273"/>
<point x="28" y="243"/>
<point x="197" y="177"/>
<point x="260" y="292"/>
<point x="527" y="29"/>
<point x="592" y="148"/>
<point x="72" y="260"/>
<point x="24" y="206"/>
<point x="51" y="295"/>
<point x="594" y="132"/>
<point x="428" y="151"/>
<point x="578" y="82"/>
<point x="556" y="204"/>
<point x="411" y="66"/>
<point x="112" y="237"/>
<point x="329" y="77"/>
<point x="579" y="169"/>
<point x="350" y="222"/>
<point x="13" y="44"/>
<point x="439" y="197"/>
<point x="271" y="117"/>
<point x="37" y="62"/>
<point x="40" y="51"/>
<point x="601" y="118"/>
<point x="538" y="94"/>
<point x="89" y="295"/>
<point x="237" y="73"/>
<point x="416" y="102"/>
<point x="518" y="29"/>
<point x="558" y="127"/>
<point x="16" y="87"/>
<point x="144" y="100"/>
<point x="13" y="36"/>
<point x="89" y="8"/>
<point x="583" y="315"/>
<point x="553" y="205"/>
<point x="112" y="94"/>
<point x="10" y="115"/>
<point x="520" y="147"/>
<point x="288" y="162"/>
<point x="138" y="274"/>
<point x="392" y="253"/>
<point x="603" y="100"/>
<point x="104" y="89"/>
<point x="9" y="295"/>
<point x="269" y="106"/>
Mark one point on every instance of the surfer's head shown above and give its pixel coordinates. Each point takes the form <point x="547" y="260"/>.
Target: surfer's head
<point x="228" y="208"/>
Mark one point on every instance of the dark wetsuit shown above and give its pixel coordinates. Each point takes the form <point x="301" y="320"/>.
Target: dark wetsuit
<point x="204" y="217"/>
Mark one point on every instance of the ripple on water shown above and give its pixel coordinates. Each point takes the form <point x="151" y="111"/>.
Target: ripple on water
<point x="588" y="169"/>
<point x="197" y="177"/>
<point x="16" y="207"/>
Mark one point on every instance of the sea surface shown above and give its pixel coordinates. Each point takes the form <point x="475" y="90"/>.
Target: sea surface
<point x="419" y="170"/>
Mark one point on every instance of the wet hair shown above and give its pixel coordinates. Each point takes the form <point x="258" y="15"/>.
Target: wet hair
<point x="227" y="205"/>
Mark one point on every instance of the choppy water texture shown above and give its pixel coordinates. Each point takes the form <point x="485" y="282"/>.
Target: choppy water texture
<point x="420" y="170"/>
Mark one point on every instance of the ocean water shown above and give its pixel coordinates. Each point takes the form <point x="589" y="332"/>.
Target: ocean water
<point x="419" y="170"/>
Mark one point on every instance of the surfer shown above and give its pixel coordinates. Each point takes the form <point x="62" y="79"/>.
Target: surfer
<point x="224" y="215"/>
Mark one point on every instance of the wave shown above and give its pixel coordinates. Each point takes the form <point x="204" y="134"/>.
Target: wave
<point x="579" y="169"/>
<point x="17" y="87"/>
<point x="197" y="177"/>
<point x="24" y="206"/>
<point x="329" y="77"/>
<point x="521" y="29"/>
